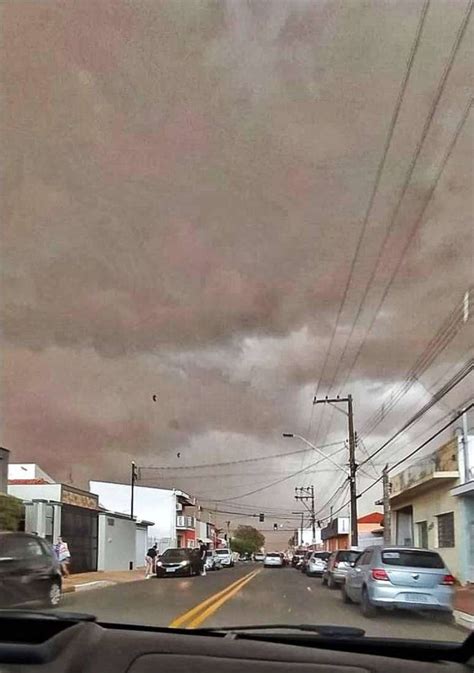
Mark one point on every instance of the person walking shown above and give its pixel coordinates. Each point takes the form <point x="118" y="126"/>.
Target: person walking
<point x="202" y="556"/>
<point x="63" y="555"/>
<point x="150" y="560"/>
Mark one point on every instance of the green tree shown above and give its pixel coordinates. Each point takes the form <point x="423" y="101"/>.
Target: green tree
<point x="247" y="540"/>
<point x="11" y="512"/>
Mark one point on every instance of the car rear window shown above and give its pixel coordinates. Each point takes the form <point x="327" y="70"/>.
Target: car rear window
<point x="412" y="559"/>
<point x="222" y="552"/>
<point x="348" y="556"/>
<point x="274" y="555"/>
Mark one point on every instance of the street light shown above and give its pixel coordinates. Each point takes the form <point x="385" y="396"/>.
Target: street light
<point x="315" y="448"/>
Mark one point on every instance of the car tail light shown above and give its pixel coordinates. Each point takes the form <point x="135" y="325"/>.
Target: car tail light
<point x="449" y="580"/>
<point x="380" y="574"/>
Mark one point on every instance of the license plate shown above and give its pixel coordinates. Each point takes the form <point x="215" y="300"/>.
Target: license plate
<point x="170" y="570"/>
<point x="416" y="598"/>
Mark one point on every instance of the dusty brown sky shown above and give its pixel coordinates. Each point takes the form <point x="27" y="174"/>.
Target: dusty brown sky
<point x="184" y="187"/>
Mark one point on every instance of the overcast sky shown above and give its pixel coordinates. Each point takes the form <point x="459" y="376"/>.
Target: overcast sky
<point x="184" y="191"/>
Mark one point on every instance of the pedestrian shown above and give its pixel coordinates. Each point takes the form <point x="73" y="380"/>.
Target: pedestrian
<point x="150" y="560"/>
<point x="202" y="556"/>
<point x="63" y="555"/>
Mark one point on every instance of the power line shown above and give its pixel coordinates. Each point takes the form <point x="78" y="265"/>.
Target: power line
<point x="411" y="454"/>
<point x="442" y="392"/>
<point x="279" y="481"/>
<point x="378" y="177"/>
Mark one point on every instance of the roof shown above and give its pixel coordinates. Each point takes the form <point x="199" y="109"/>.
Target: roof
<point x="373" y="517"/>
<point x="27" y="482"/>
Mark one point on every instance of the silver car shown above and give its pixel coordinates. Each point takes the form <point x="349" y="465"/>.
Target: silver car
<point x="399" y="577"/>
<point x="316" y="564"/>
<point x="273" y="559"/>
<point x="337" y="566"/>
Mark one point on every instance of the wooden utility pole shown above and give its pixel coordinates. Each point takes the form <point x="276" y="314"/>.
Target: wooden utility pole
<point x="387" y="514"/>
<point x="305" y="494"/>
<point x="133" y="479"/>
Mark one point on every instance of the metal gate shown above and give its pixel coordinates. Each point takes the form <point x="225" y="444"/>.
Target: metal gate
<point x="79" y="529"/>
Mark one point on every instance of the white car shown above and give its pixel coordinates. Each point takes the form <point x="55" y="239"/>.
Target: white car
<point x="259" y="557"/>
<point x="226" y="558"/>
<point x="212" y="561"/>
<point x="273" y="560"/>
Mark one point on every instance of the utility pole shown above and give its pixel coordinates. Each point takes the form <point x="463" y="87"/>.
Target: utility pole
<point x="305" y="494"/>
<point x="387" y="514"/>
<point x="302" y="528"/>
<point x="227" y="523"/>
<point x="134" y="477"/>
<point x="352" y="461"/>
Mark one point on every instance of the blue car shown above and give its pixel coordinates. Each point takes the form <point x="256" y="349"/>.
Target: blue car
<point x="399" y="577"/>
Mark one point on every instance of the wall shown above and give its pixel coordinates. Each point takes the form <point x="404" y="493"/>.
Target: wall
<point x="444" y="459"/>
<point x="151" y="504"/>
<point x="36" y="491"/>
<point x="28" y="471"/>
<point x="116" y="548"/>
<point x="425" y="508"/>
<point x="141" y="547"/>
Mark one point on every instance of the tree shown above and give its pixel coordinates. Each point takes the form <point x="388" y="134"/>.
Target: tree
<point x="247" y="540"/>
<point x="11" y="512"/>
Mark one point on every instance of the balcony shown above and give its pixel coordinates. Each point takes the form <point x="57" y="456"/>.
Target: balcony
<point x="440" y="467"/>
<point x="185" y="522"/>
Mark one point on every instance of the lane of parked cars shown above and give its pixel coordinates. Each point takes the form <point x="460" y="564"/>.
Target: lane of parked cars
<point x="383" y="577"/>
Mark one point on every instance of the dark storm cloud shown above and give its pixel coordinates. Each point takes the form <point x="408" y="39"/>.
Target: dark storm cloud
<point x="184" y="189"/>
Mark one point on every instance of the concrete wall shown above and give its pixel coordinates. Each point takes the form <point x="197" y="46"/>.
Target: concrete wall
<point x="117" y="544"/>
<point x="36" y="491"/>
<point x="151" y="504"/>
<point x="444" y="459"/>
<point x="426" y="506"/>
<point x="141" y="547"/>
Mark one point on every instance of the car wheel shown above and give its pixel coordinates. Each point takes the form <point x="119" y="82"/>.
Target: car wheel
<point x="345" y="597"/>
<point x="367" y="608"/>
<point x="54" y="594"/>
<point x="331" y="582"/>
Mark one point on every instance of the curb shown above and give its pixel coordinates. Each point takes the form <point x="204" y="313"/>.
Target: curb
<point x="464" y="619"/>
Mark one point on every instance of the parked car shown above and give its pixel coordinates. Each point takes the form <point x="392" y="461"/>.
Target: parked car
<point x="226" y="557"/>
<point x="297" y="558"/>
<point x="399" y="577"/>
<point x="317" y="563"/>
<point x="304" y="561"/>
<point x="273" y="560"/>
<point x="244" y="557"/>
<point x="338" y="564"/>
<point x="259" y="557"/>
<point x="212" y="562"/>
<point x="179" y="561"/>
<point x="29" y="571"/>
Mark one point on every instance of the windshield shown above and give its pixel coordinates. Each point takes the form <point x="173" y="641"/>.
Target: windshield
<point x="237" y="312"/>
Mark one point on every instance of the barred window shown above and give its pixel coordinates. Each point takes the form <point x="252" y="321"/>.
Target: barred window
<point x="446" y="530"/>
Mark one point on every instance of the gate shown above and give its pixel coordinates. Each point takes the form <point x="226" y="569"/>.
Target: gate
<point x="79" y="529"/>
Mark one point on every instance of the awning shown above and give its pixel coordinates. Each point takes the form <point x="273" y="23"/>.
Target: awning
<point x="206" y="540"/>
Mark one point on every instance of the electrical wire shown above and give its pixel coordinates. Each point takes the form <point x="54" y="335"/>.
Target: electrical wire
<point x="378" y="177"/>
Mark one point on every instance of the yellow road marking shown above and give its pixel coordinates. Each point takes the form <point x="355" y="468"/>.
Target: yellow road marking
<point x="220" y="601"/>
<point x="193" y="613"/>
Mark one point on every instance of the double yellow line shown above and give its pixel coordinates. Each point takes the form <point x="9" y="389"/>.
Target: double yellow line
<point x="205" y="609"/>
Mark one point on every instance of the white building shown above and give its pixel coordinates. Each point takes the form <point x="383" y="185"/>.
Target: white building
<point x="167" y="508"/>
<point x="28" y="471"/>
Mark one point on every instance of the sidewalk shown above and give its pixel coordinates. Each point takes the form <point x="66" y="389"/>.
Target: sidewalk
<point x="464" y="607"/>
<point x="101" y="578"/>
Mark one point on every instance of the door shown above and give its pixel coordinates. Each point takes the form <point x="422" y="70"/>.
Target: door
<point x="79" y="530"/>
<point x="360" y="571"/>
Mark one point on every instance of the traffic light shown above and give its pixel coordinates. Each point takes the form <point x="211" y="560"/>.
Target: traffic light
<point x="261" y="517"/>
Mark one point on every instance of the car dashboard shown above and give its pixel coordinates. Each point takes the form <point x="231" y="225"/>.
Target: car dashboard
<point x="41" y="643"/>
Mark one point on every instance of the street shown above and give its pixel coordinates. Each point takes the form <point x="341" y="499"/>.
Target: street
<point x="246" y="594"/>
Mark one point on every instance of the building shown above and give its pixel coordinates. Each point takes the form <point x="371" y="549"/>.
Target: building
<point x="424" y="511"/>
<point x="336" y="535"/>
<point x="173" y="512"/>
<point x="463" y="493"/>
<point x="97" y="539"/>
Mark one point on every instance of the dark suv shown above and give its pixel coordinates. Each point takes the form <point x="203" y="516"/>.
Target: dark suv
<point x="29" y="571"/>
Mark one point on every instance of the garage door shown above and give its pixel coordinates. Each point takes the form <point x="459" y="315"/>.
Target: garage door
<point x="79" y="530"/>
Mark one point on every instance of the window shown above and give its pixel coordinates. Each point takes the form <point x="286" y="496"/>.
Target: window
<point x="412" y="559"/>
<point x="21" y="548"/>
<point x="364" y="559"/>
<point x="446" y="530"/>
<point x="110" y="522"/>
<point x="422" y="530"/>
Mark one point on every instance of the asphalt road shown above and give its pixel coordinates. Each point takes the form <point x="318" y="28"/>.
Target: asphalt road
<point x="247" y="594"/>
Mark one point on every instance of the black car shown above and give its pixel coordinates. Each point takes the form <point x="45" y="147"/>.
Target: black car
<point x="29" y="571"/>
<point x="179" y="561"/>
